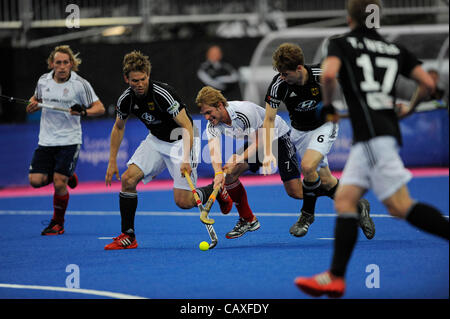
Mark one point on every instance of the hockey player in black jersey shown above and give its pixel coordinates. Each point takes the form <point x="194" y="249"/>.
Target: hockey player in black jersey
<point x="367" y="67"/>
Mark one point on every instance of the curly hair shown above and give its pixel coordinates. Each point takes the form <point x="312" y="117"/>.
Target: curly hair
<point x="74" y="59"/>
<point x="210" y="96"/>
<point x="287" y="57"/>
<point x="135" y="61"/>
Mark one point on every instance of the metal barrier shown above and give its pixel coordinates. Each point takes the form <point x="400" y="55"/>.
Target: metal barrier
<point x="46" y="13"/>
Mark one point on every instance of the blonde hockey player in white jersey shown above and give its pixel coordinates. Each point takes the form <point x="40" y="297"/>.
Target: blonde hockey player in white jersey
<point x="60" y="136"/>
<point x="243" y="120"/>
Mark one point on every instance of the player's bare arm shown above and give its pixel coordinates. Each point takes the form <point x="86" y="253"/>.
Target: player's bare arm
<point x="425" y="88"/>
<point x="215" y="153"/>
<point x="268" y="130"/>
<point x="95" y="109"/>
<point x="117" y="134"/>
<point x="330" y="70"/>
<point x="188" y="140"/>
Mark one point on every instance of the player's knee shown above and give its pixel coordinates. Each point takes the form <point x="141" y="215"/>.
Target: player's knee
<point x="129" y="182"/>
<point x="37" y="181"/>
<point x="60" y="183"/>
<point x="184" y="203"/>
<point x="344" y="204"/>
<point x="308" y="168"/>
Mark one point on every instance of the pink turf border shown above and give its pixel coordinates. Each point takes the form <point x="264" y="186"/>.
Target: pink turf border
<point x="158" y="185"/>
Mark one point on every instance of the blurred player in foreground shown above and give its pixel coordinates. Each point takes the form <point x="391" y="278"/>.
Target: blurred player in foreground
<point x="60" y="135"/>
<point x="243" y="120"/>
<point x="368" y="66"/>
<point x="298" y="86"/>
<point x="170" y="144"/>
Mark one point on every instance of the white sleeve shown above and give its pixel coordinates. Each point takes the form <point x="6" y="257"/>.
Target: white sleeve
<point x="212" y="131"/>
<point x="252" y="116"/>
<point x="86" y="93"/>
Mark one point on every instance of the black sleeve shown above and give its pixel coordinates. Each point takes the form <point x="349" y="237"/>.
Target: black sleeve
<point x="334" y="48"/>
<point x="123" y="106"/>
<point x="408" y="62"/>
<point x="168" y="100"/>
<point x="276" y="92"/>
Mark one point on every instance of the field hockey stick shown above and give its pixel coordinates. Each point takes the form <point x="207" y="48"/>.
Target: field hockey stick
<point x="209" y="227"/>
<point x="200" y="206"/>
<point x="42" y="105"/>
<point x="212" y="198"/>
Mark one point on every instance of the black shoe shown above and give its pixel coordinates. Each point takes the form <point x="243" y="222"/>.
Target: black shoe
<point x="53" y="229"/>
<point x="365" y="222"/>
<point x="300" y="228"/>
<point x="242" y="227"/>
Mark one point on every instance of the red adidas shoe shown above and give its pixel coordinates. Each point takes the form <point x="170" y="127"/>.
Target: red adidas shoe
<point x="123" y="241"/>
<point x="73" y="181"/>
<point x="225" y="202"/>
<point x="323" y="283"/>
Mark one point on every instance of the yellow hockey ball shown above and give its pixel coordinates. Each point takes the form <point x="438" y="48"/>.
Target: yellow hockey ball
<point x="203" y="245"/>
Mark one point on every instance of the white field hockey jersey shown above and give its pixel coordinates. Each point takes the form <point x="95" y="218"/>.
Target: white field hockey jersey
<point x="60" y="128"/>
<point x="246" y="117"/>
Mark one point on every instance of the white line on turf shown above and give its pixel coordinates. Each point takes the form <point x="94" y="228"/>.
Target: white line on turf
<point x="154" y="213"/>
<point x="73" y="290"/>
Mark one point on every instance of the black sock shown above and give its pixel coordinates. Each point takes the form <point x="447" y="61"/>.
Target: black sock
<point x="204" y="192"/>
<point x="330" y="193"/>
<point x="321" y="191"/>
<point x="429" y="219"/>
<point x="128" y="204"/>
<point x="346" y="235"/>
<point x="309" y="196"/>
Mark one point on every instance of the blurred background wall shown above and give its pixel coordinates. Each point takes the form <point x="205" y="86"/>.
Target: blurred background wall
<point x="175" y="35"/>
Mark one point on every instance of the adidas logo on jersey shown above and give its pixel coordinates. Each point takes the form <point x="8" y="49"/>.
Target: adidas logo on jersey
<point x="292" y="94"/>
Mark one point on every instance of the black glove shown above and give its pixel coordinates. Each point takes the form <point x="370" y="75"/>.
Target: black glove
<point x="79" y="108"/>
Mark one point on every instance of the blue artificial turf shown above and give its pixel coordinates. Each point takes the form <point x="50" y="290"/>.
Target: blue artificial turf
<point x="260" y="265"/>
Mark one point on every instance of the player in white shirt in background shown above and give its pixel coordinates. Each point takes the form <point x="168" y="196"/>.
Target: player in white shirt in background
<point x="243" y="120"/>
<point x="60" y="136"/>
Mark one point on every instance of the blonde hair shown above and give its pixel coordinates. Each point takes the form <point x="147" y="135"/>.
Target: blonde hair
<point x="136" y="61"/>
<point x="287" y="57"/>
<point x="210" y="96"/>
<point x="74" y="59"/>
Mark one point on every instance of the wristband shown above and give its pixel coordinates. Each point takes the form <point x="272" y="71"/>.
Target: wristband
<point x="217" y="173"/>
